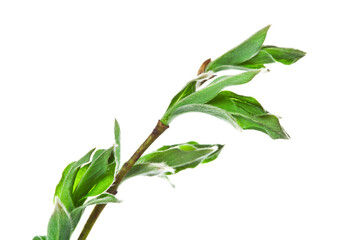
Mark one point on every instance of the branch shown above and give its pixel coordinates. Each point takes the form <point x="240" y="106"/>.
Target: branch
<point x="158" y="130"/>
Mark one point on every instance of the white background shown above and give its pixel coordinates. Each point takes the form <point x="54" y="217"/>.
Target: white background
<point x="68" y="68"/>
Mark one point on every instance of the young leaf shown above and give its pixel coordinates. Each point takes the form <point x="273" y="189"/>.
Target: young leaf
<point x="64" y="188"/>
<point x="96" y="171"/>
<point x="206" y="94"/>
<point x="249" y="114"/>
<point x="182" y="156"/>
<point x="117" y="145"/>
<point x="241" y="53"/>
<point x="59" y="227"/>
<point x="286" y="56"/>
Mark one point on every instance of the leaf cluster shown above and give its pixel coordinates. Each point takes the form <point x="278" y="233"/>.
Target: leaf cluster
<point x="240" y="111"/>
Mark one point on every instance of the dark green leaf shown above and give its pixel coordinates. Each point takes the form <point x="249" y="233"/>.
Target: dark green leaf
<point x="117" y="145"/>
<point x="249" y="114"/>
<point x="59" y="227"/>
<point x="182" y="156"/>
<point x="96" y="171"/>
<point x="206" y="94"/>
<point x="286" y="56"/>
<point x="65" y="187"/>
<point x="241" y="53"/>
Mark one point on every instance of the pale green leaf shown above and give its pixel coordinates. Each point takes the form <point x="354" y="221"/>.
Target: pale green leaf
<point x="59" y="227"/>
<point x="243" y="52"/>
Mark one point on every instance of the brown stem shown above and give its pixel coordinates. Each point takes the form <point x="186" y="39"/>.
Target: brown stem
<point x="158" y="130"/>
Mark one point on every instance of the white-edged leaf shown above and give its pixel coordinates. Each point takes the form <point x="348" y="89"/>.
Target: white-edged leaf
<point x="104" y="198"/>
<point x="182" y="156"/>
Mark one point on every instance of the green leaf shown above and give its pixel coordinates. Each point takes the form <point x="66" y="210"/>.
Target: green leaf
<point x="206" y="94"/>
<point x="286" y="56"/>
<point x="96" y="171"/>
<point x="182" y="156"/>
<point x="39" y="238"/>
<point x="249" y="114"/>
<point x="243" y="52"/>
<point x="59" y="227"/>
<point x="117" y="145"/>
<point x="240" y="111"/>
<point x="104" y="183"/>
<point x="64" y="188"/>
